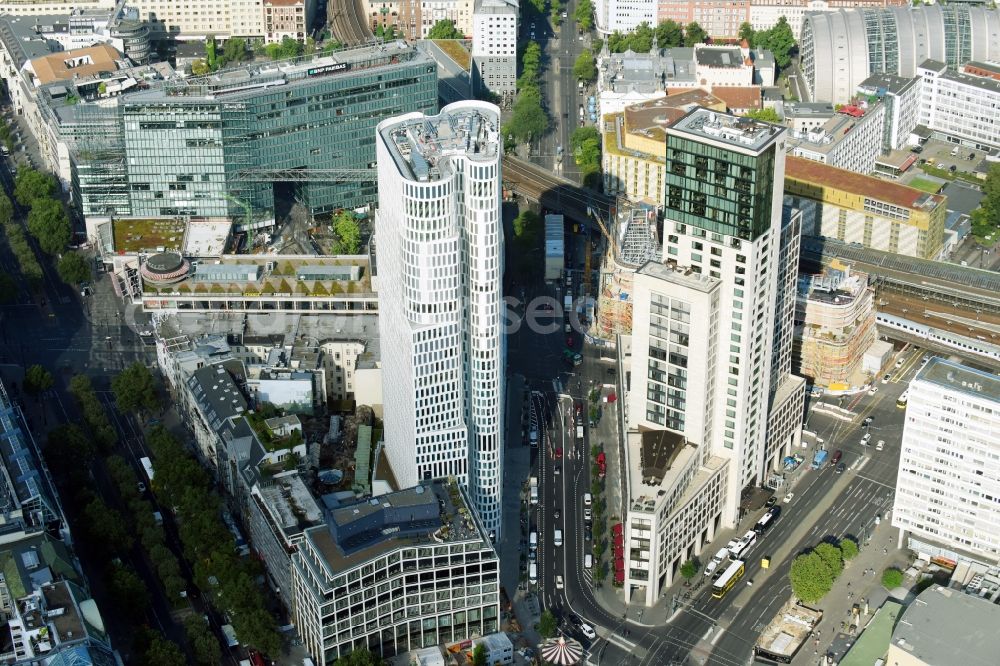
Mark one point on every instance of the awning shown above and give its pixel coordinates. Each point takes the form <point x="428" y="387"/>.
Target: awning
<point x="619" y="565"/>
<point x="619" y="576"/>
<point x="619" y="540"/>
<point x="616" y="528"/>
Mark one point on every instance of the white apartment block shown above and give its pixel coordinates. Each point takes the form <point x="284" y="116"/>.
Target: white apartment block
<point x="851" y="140"/>
<point x="947" y="501"/>
<point x="676" y="486"/>
<point x="623" y="15"/>
<point x="901" y="98"/>
<point x="50" y="7"/>
<point x="458" y="11"/>
<point x="960" y="108"/>
<point x="440" y="244"/>
<point x="196" y="19"/>
<point x="723" y="216"/>
<point x="494" y="46"/>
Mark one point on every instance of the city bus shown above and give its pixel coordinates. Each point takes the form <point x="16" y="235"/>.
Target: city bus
<point x="765" y="522"/>
<point x="729" y="577"/>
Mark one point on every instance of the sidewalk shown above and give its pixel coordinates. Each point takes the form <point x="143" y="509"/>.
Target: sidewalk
<point x="833" y="636"/>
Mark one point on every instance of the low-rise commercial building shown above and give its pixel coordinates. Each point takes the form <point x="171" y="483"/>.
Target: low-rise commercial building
<point x="851" y="139"/>
<point x="807" y="116"/>
<point x="960" y="107"/>
<point x="945" y="626"/>
<point x="946" y="504"/>
<point x="854" y="208"/>
<point x="629" y="78"/>
<point x="834" y="327"/>
<point x="402" y="571"/>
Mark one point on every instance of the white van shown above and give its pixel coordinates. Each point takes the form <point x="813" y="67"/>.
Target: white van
<point x="588" y="631"/>
<point x="588" y="561"/>
<point x="557" y="538"/>
<point x="587" y="499"/>
<point x="533" y="573"/>
<point x="719" y="558"/>
<point x="533" y="541"/>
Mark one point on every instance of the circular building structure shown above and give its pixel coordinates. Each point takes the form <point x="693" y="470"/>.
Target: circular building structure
<point x="165" y="268"/>
<point x="843" y="48"/>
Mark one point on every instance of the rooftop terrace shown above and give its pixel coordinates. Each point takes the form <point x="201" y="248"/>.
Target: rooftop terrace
<point x="737" y="131"/>
<point x="422" y="145"/>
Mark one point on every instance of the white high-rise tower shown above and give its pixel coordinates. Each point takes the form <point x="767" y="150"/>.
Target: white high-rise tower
<point x="440" y="264"/>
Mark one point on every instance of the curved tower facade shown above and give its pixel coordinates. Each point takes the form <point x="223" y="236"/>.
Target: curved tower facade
<point x="440" y="266"/>
<point x="841" y="49"/>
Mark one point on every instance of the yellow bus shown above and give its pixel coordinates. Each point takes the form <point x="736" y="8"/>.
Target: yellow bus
<point x="901" y="403"/>
<point x="728" y="578"/>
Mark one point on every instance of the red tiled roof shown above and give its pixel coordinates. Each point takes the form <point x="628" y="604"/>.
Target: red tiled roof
<point x="738" y="98"/>
<point x="817" y="173"/>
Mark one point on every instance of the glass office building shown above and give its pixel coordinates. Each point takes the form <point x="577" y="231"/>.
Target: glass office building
<point x="250" y="137"/>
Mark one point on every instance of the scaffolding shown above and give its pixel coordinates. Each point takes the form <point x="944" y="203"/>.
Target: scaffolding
<point x="635" y="242"/>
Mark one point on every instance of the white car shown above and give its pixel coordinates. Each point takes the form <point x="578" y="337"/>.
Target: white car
<point x="788" y="498"/>
<point x="588" y="631"/>
<point x="867" y="438"/>
<point x="880" y="445"/>
<point x="899" y="363"/>
<point x="873" y="390"/>
<point x="559" y="582"/>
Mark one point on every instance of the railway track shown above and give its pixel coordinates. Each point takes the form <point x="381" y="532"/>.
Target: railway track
<point x="346" y="23"/>
<point x="552" y="191"/>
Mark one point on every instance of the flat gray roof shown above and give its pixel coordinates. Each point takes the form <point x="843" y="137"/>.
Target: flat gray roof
<point x="961" y="378"/>
<point x="887" y="82"/>
<point x="945" y="626"/>
<point x="739" y="132"/>
<point x="983" y="83"/>
<point x="684" y="277"/>
<point x="719" y="57"/>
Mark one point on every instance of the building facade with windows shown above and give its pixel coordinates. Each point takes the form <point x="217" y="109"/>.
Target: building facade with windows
<point x="403" y="571"/>
<point x="440" y="249"/>
<point x="224" y="144"/>
<point x="723" y="218"/>
<point x="901" y="98"/>
<point x="947" y="501"/>
<point x="676" y="485"/>
<point x="623" y="15"/>
<point x="841" y="49"/>
<point x="494" y="47"/>
<point x="286" y="18"/>
<point x="869" y="211"/>
<point x="960" y="107"/>
<point x="851" y="139"/>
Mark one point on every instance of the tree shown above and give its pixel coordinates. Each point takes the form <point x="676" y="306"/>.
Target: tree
<point x="689" y="569"/>
<point x="37" y="380"/>
<point x="204" y="645"/>
<point x="585" y="67"/>
<point x="547" y="624"/>
<point x="586" y="143"/>
<point x="810" y="578"/>
<point x="8" y="289"/>
<point x="6" y="209"/>
<point x="48" y="223"/>
<point x="767" y="115"/>
<point x="849" y="549"/>
<point x="69" y="443"/>
<point x="73" y="268"/>
<point x="444" y="29"/>
<point x="135" y="389"/>
<point x="669" y="34"/>
<point x="233" y="50"/>
<point x="200" y="67"/>
<point x="527" y="226"/>
<point x="362" y="657"/>
<point x="479" y="655"/>
<point x="746" y="33"/>
<point x="210" y="53"/>
<point x="288" y="48"/>
<point x="584" y="15"/>
<point x="832" y="558"/>
<point x="163" y="652"/>
<point x="348" y="233"/>
<point x="694" y="34"/>
<point x="892" y="578"/>
<point x="31" y="184"/>
<point x="129" y="590"/>
<point x="106" y="527"/>
<point x="528" y="120"/>
<point x="641" y="39"/>
<point x="779" y="40"/>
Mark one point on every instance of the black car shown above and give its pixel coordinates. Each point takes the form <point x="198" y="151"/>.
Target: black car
<point x="770" y="501"/>
<point x="575" y="620"/>
<point x="841" y="467"/>
<point x="589" y="532"/>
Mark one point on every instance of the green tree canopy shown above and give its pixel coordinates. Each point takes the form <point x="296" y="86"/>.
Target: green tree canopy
<point x="669" y="34"/>
<point x="288" y="48"/>
<point x="747" y="33"/>
<point x="73" y="268"/>
<point x="848" y="548"/>
<point x="203" y="644"/>
<point x="6" y="209"/>
<point x="689" y="569"/>
<point x="106" y="527"/>
<point x="345" y="225"/>
<point x="37" y="380"/>
<point x="69" y="443"/>
<point x="135" y="389"/>
<point x="163" y="652"/>
<point x="8" y="289"/>
<point x="527" y="226"/>
<point x="810" y="577"/>
<point x="832" y="558"/>
<point x="585" y="67"/>
<point x="234" y="50"/>
<point x="48" y="223"/>
<point x="586" y="143"/>
<point x="767" y="115"/>
<point x="210" y="57"/>
<point x="547" y="624"/>
<point x="584" y="15"/>
<point x="779" y="40"/>
<point x="986" y="218"/>
<point x="444" y="29"/>
<point x="639" y="40"/>
<point x="892" y="578"/>
<point x="694" y="34"/>
<point x="528" y="120"/>
<point x="31" y="184"/>
<point x="362" y="657"/>
<point x="479" y="655"/>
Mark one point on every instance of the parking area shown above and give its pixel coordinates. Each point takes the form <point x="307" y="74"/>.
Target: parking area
<point x="944" y="155"/>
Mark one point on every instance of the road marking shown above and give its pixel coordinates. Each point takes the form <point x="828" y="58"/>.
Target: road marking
<point x="620" y="642"/>
<point x="878" y="483"/>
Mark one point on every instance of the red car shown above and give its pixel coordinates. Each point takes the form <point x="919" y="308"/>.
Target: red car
<point x="558" y="454"/>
